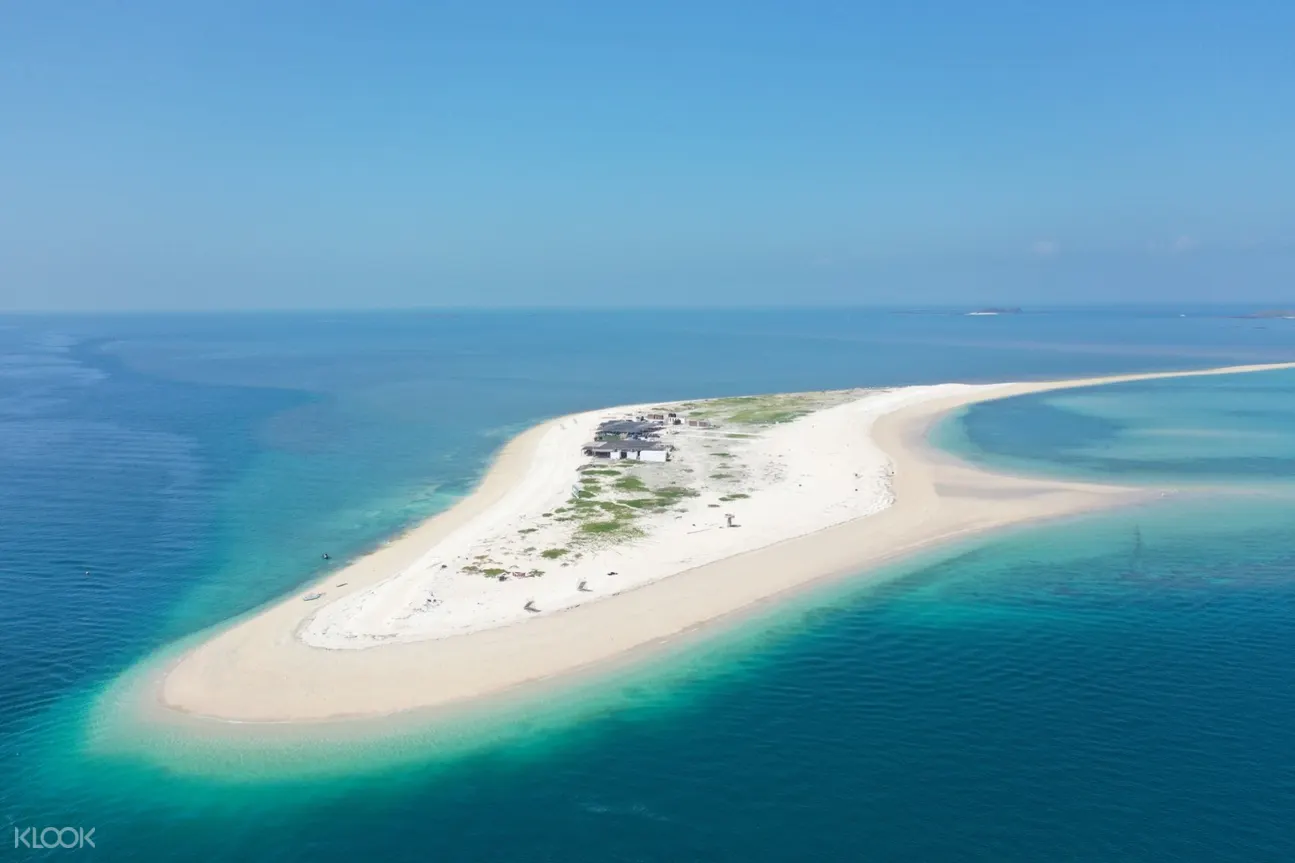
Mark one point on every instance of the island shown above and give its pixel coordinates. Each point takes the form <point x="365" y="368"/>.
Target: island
<point x="600" y="537"/>
<point x="1272" y="314"/>
<point x="996" y="310"/>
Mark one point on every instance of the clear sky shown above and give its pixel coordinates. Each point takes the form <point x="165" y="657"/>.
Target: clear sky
<point x="321" y="153"/>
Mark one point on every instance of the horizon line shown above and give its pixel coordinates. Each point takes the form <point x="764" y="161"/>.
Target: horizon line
<point x="558" y="308"/>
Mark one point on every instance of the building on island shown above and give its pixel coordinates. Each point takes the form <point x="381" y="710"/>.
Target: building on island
<point x="625" y="429"/>
<point x="636" y="450"/>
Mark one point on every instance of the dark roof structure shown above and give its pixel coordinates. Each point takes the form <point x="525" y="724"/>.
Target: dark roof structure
<point x="627" y="427"/>
<point x="625" y="446"/>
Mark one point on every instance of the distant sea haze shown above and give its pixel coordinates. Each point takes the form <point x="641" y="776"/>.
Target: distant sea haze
<point x="1112" y="688"/>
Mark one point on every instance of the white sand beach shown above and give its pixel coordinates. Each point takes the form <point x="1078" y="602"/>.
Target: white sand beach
<point x="770" y="482"/>
<point x="560" y="561"/>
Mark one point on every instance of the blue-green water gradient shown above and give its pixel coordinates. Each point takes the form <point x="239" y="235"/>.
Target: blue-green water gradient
<point x="1119" y="688"/>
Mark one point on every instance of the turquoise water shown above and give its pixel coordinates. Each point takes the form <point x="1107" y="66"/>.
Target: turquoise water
<point x="1236" y="428"/>
<point x="1113" y="689"/>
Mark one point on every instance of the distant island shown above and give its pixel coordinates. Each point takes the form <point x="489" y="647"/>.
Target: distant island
<point x="1287" y="314"/>
<point x="988" y="310"/>
<point x="997" y="310"/>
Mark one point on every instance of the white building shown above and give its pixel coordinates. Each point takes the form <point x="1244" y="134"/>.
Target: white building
<point x="638" y="450"/>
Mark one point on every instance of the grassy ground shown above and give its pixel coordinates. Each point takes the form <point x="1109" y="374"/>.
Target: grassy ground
<point x="608" y="511"/>
<point x="763" y="409"/>
<point x="755" y="410"/>
<point x="610" y="499"/>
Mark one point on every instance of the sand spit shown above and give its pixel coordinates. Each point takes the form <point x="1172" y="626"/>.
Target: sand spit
<point x="575" y="529"/>
<point x="817" y="484"/>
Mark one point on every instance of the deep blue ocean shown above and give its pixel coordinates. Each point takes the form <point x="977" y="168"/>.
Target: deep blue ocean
<point x="1119" y="687"/>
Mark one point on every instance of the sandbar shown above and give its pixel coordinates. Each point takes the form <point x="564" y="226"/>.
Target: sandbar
<point x="832" y="484"/>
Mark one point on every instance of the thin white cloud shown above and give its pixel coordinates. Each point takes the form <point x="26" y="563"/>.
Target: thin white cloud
<point x="1046" y="248"/>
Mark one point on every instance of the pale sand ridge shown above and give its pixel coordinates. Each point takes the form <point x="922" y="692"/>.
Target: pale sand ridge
<point x="476" y="640"/>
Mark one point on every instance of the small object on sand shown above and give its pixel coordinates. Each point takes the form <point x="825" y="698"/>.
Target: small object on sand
<point x="444" y="565"/>
<point x="325" y="555"/>
<point x="613" y="572"/>
<point x="503" y="578"/>
<point x="583" y="585"/>
<point x="343" y="583"/>
<point x="311" y="597"/>
<point x="530" y="606"/>
<point x="729" y="517"/>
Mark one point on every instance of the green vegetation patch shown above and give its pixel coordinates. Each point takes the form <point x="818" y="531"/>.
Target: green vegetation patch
<point x="554" y="553"/>
<point x="630" y="483"/>
<point x="600" y="511"/>
<point x="674" y="493"/>
<point x="720" y="407"/>
<point x="735" y="496"/>
<point x="758" y="410"/>
<point x="768" y="416"/>
<point x="620" y="527"/>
